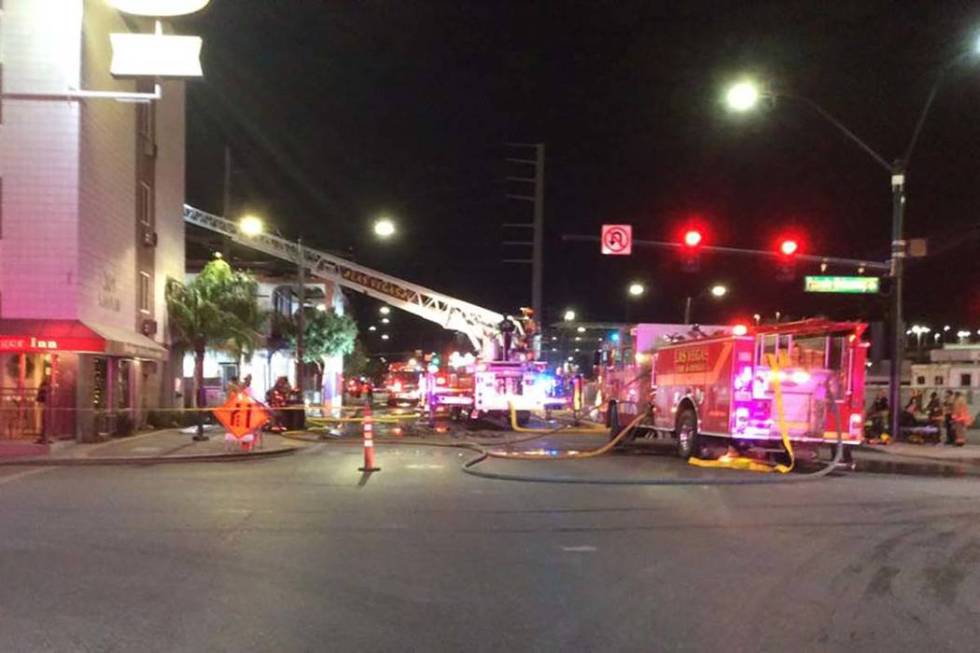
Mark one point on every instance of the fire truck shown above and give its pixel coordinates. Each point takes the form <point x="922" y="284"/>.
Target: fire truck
<point x="404" y="383"/>
<point x="722" y="387"/>
<point x="503" y="373"/>
<point x="621" y="376"/>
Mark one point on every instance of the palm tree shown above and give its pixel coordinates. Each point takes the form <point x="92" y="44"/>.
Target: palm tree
<point x="217" y="310"/>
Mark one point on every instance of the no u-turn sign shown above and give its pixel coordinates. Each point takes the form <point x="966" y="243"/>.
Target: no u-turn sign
<point x="617" y="239"/>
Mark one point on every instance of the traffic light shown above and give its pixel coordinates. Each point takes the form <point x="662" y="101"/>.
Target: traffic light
<point x="788" y="248"/>
<point x="691" y="249"/>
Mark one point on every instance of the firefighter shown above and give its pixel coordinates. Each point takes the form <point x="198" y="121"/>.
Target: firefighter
<point x="961" y="418"/>
<point x="276" y="398"/>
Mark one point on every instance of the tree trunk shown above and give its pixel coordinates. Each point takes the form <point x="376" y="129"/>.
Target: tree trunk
<point x="200" y="400"/>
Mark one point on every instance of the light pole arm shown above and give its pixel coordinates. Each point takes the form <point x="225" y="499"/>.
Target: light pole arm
<point x="841" y="127"/>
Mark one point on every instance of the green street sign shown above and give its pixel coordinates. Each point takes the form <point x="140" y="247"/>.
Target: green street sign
<point x="851" y="285"/>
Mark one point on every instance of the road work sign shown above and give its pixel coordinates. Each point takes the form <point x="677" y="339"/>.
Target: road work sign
<point x="617" y="239"/>
<point x="241" y="415"/>
<point x="850" y="285"/>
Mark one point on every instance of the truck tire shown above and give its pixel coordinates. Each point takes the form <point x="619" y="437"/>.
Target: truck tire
<point x="687" y="434"/>
<point x="523" y="417"/>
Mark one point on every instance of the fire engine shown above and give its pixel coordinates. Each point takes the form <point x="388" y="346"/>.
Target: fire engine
<point x="504" y="373"/>
<point x="404" y="383"/>
<point x="722" y="387"/>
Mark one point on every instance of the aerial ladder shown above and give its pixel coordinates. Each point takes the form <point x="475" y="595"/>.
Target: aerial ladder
<point x="480" y="325"/>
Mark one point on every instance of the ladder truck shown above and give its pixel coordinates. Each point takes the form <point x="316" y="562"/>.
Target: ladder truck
<point x="499" y="381"/>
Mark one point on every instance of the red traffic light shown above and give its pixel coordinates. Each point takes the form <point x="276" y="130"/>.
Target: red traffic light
<point x="692" y="238"/>
<point x="788" y="247"/>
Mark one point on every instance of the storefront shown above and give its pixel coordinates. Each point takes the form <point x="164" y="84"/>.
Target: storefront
<point x="73" y="380"/>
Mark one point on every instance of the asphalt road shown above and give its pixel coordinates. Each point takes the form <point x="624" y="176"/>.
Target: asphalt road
<point x="305" y="554"/>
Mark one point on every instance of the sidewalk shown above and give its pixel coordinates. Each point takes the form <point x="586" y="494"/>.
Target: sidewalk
<point x="167" y="446"/>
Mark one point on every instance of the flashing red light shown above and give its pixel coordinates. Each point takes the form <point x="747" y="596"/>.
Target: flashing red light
<point x="692" y="238"/>
<point x="740" y="329"/>
<point x="396" y="387"/>
<point x="440" y="380"/>
<point x="789" y="247"/>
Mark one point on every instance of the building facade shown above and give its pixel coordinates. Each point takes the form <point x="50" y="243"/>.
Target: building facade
<point x="91" y="228"/>
<point x="955" y="367"/>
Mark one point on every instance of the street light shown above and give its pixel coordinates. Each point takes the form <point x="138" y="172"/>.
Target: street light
<point x="384" y="227"/>
<point x="385" y="320"/>
<point x="743" y="96"/>
<point x="251" y="226"/>
<point x="569" y="315"/>
<point x="384" y="336"/>
<point x="372" y="328"/>
<point x="384" y="310"/>
<point x="637" y="289"/>
<point x="717" y="291"/>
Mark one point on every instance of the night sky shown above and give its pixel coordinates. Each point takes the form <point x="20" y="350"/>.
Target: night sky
<point x="339" y="111"/>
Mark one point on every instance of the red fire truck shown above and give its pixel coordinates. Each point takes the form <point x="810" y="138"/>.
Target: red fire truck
<point x="722" y="387"/>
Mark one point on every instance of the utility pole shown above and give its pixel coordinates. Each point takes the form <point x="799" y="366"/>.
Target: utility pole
<point x="226" y="186"/>
<point x="897" y="265"/>
<point x="537" y="228"/>
<point x="301" y="317"/>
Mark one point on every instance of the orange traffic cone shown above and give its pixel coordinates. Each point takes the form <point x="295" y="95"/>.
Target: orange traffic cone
<point x="368" y="432"/>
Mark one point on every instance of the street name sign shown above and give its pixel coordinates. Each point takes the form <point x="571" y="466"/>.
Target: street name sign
<point x="617" y="239"/>
<point x="848" y="285"/>
<point x="241" y="414"/>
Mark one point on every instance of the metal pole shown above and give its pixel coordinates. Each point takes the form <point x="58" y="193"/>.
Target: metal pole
<point x="898" y="325"/>
<point x="226" y="199"/>
<point x="301" y="318"/>
<point x="537" y="266"/>
<point x="687" y="309"/>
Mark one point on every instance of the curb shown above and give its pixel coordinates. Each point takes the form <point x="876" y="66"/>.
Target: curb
<point x="150" y="460"/>
<point x="880" y="451"/>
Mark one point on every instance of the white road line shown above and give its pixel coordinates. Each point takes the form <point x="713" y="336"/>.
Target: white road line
<point x="30" y="472"/>
<point x="580" y="549"/>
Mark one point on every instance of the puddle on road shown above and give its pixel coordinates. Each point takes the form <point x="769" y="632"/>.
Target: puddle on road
<point x="941" y="470"/>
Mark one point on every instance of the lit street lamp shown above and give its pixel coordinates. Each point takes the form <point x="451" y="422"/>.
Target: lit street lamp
<point x="569" y="315"/>
<point x="384" y="228"/>
<point x="384" y="310"/>
<point x="251" y="226"/>
<point x="636" y="289"/>
<point x="717" y="291"/>
<point x="743" y="96"/>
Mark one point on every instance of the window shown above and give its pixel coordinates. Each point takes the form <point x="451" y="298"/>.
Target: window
<point x="144" y="204"/>
<point x="966" y="380"/>
<point x="144" y="292"/>
<point x="938" y="380"/>
<point x="920" y="380"/>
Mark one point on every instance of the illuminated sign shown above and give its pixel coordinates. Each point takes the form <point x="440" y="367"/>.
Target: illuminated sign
<point x="159" y="8"/>
<point x="850" y="285"/>
<point x="156" y="55"/>
<point x="32" y="344"/>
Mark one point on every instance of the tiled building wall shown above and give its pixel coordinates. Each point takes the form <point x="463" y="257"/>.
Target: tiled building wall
<point x="107" y="238"/>
<point x="41" y="42"/>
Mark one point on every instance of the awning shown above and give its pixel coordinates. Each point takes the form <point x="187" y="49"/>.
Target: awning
<point x="40" y="336"/>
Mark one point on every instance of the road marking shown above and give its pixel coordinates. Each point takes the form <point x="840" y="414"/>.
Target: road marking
<point x="19" y="475"/>
<point x="424" y="466"/>
<point x="146" y="449"/>
<point x="579" y="549"/>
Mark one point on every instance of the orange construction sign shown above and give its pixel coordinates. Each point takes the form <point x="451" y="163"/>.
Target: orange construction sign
<point x="241" y="414"/>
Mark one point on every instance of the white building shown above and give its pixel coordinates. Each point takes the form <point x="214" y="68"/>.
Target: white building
<point x="954" y="367"/>
<point x="275" y="359"/>
<point x="90" y="222"/>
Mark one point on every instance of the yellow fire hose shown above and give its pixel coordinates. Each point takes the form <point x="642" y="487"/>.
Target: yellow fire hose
<point x="523" y="429"/>
<point x="728" y="461"/>
<point x="591" y="453"/>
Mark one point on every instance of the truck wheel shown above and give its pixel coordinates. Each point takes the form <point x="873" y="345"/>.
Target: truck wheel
<point x="687" y="434"/>
<point x="523" y="417"/>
